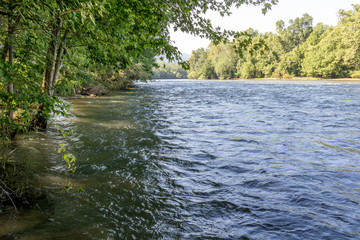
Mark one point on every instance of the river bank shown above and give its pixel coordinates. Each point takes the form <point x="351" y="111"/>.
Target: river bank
<point x="300" y="79"/>
<point x="185" y="159"/>
<point x="18" y="189"/>
<point x="308" y="79"/>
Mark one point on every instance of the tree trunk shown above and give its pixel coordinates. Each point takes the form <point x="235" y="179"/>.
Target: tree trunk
<point x="10" y="83"/>
<point x="53" y="65"/>
<point x="59" y="57"/>
<point x="11" y="31"/>
<point x="1" y="20"/>
<point x="10" y="89"/>
<point x="51" y="59"/>
<point x="40" y="120"/>
<point x="8" y="56"/>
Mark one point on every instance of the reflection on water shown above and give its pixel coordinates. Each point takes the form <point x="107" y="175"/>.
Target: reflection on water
<point x="201" y="159"/>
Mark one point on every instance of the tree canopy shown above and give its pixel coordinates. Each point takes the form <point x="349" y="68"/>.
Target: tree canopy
<point x="51" y="47"/>
<point x="297" y="50"/>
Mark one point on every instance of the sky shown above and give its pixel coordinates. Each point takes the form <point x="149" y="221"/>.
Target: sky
<point x="324" y="11"/>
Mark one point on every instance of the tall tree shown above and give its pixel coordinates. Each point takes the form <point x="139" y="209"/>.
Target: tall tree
<point x="337" y="53"/>
<point x="10" y="19"/>
<point x="224" y="59"/>
<point x="196" y="62"/>
<point x="107" y="33"/>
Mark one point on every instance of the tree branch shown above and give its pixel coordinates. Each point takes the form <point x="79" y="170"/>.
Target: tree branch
<point x="8" y="195"/>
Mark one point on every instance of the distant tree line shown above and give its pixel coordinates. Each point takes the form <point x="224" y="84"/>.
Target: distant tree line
<point x="169" y="71"/>
<point x="298" y="50"/>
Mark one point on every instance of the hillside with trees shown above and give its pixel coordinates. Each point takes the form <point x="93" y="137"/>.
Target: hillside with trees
<point x="297" y="50"/>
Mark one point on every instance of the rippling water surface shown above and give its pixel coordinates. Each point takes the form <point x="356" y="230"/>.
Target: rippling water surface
<point x="201" y="160"/>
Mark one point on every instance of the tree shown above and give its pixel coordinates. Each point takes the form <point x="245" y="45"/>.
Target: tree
<point x="337" y="52"/>
<point x="169" y="71"/>
<point x="10" y="22"/>
<point x="208" y="70"/>
<point x="109" y="34"/>
<point x="196" y="63"/>
<point x="296" y="33"/>
<point x="224" y="59"/>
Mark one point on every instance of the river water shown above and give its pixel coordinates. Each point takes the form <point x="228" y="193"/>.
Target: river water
<point x="200" y="160"/>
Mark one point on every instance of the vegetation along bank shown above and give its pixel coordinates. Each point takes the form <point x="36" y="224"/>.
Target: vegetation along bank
<point x="299" y="50"/>
<point x="53" y="48"/>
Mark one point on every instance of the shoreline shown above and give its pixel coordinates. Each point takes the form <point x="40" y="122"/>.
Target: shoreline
<point x="271" y="79"/>
<point x="306" y="79"/>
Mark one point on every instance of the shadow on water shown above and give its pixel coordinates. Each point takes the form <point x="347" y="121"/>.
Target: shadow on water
<point x="116" y="151"/>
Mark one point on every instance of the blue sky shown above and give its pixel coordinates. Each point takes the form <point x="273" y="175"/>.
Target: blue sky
<point x="249" y="16"/>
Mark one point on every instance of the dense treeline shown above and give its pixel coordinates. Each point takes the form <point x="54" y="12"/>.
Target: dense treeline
<point x="298" y="50"/>
<point x="169" y="71"/>
<point x="52" y="47"/>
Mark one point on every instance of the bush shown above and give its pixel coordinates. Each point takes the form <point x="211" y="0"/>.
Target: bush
<point x="355" y="74"/>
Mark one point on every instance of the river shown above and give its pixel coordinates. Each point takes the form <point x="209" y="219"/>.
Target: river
<point x="191" y="159"/>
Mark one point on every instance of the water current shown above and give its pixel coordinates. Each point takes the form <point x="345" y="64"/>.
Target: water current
<point x="190" y="159"/>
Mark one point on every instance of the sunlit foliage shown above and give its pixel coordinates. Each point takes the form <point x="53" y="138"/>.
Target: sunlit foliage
<point x="297" y="50"/>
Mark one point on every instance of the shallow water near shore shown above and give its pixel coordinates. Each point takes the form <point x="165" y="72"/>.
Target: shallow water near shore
<point x="184" y="159"/>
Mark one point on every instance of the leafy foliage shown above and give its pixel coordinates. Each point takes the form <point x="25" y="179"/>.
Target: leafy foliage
<point x="298" y="50"/>
<point x="169" y="71"/>
<point x="51" y="47"/>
